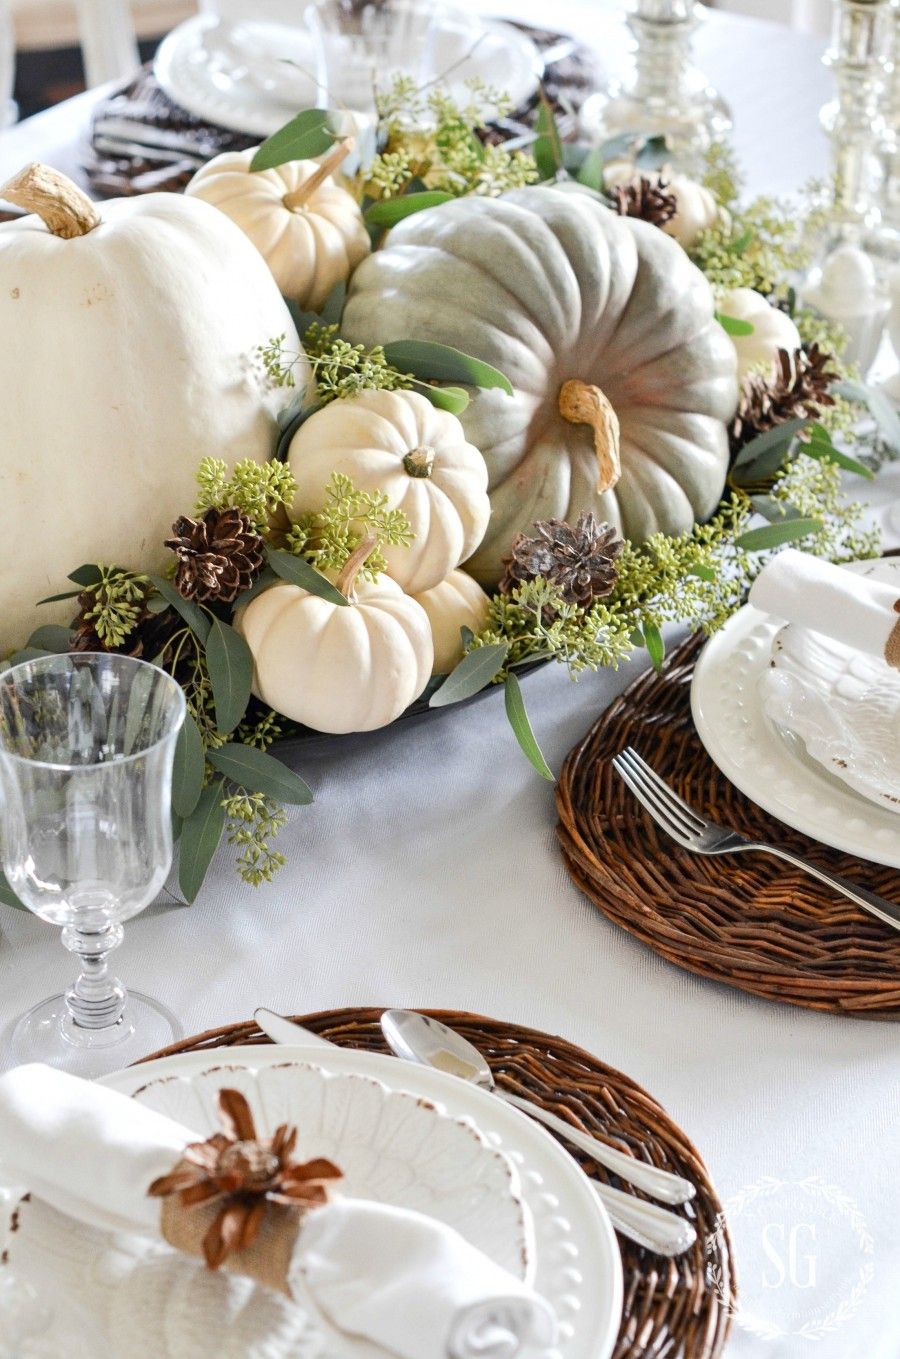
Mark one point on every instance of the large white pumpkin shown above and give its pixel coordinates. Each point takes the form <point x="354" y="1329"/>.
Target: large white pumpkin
<point x="128" y="355"/>
<point x="564" y="296"/>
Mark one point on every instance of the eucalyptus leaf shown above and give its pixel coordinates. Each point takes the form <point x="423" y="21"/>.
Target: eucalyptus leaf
<point x="157" y="604"/>
<point x="776" y="511"/>
<point x="442" y="363"/>
<point x="198" y="621"/>
<point x="299" y="572"/>
<point x="621" y="147"/>
<point x="28" y="653"/>
<point x="653" y="154"/>
<point x="656" y="647"/>
<point x="304" y="137"/>
<point x="548" y="148"/>
<point x="740" y="245"/>
<point x="821" y="447"/>
<point x="386" y="212"/>
<point x="55" y="599"/>
<point x="188" y="769"/>
<point x="51" y="637"/>
<point x="200" y="835"/>
<point x="882" y="410"/>
<point x="265" y="578"/>
<point x="333" y="306"/>
<point x="473" y="673"/>
<point x="518" y="720"/>
<point x="763" y="456"/>
<point x="260" y="772"/>
<point x="8" y="896"/>
<point x="452" y="399"/>
<point x="230" y="664"/>
<point x="703" y="573"/>
<point x="733" y="325"/>
<point x="590" y="172"/>
<point x="773" y="535"/>
<point x="89" y="574"/>
<point x="300" y="413"/>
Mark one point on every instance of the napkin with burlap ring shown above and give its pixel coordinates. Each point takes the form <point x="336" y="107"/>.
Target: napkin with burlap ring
<point x="248" y="1205"/>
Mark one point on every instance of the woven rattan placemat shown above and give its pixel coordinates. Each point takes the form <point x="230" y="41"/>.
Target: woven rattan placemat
<point x="750" y="921"/>
<point x="672" y="1308"/>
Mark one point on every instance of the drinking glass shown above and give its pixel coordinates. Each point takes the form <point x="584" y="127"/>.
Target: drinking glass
<point x="362" y="46"/>
<point x="86" y="749"/>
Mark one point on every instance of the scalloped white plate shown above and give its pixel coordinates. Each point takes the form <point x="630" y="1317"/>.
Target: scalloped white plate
<point x="494" y="1156"/>
<point x="769" y="764"/>
<point x="254" y="75"/>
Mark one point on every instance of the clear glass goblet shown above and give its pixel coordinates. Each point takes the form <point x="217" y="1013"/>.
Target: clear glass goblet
<point x="362" y="46"/>
<point x="86" y="749"/>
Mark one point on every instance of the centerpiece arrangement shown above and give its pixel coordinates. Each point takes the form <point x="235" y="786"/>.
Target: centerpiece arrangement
<point x="354" y="426"/>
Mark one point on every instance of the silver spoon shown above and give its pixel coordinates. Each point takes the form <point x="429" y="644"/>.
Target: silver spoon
<point x="416" y="1038"/>
<point x="664" y="1233"/>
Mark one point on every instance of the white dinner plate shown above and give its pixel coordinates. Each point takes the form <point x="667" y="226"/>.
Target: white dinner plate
<point x="254" y="75"/>
<point x="770" y="765"/>
<point x="574" y="1259"/>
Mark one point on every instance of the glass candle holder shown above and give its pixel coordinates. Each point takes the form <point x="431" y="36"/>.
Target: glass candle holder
<point x="663" y="94"/>
<point x="87" y="743"/>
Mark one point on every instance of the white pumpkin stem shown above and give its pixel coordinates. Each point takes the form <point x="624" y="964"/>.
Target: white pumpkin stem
<point x="583" y="404"/>
<point x="353" y="565"/>
<point x="65" y="210"/>
<point x="297" y="197"/>
<point x="419" y="462"/>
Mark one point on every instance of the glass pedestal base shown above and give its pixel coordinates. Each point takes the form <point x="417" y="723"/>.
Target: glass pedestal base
<point x="48" y="1034"/>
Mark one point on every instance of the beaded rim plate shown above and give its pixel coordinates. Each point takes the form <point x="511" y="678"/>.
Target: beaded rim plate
<point x="766" y="763"/>
<point x="576" y="1259"/>
<point x="201" y="69"/>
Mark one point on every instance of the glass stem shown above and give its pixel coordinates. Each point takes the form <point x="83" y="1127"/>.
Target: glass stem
<point x="97" y="999"/>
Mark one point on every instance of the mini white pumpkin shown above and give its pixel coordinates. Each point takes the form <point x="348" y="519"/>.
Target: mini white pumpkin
<point x="308" y="229"/>
<point x="399" y="443"/>
<point x="772" y="329"/>
<point x="457" y="602"/>
<point x="129" y="329"/>
<point x="697" y="208"/>
<point x="336" y="667"/>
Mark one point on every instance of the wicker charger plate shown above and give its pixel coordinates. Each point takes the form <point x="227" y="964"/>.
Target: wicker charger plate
<point x="751" y="921"/>
<point x="671" y="1307"/>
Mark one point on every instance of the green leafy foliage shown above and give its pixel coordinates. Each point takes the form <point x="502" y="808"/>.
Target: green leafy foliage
<point x="428" y="360"/>
<point x="298" y="571"/>
<point x="259" y="772"/>
<point x="200" y="836"/>
<point x="386" y="212"/>
<point x="474" y="672"/>
<point x="189" y="769"/>
<point x="548" y="147"/>
<point x="304" y="137"/>
<point x="230" y="664"/>
<point x="521" y="725"/>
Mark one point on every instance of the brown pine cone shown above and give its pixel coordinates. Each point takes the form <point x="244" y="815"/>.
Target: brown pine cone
<point x="218" y="555"/>
<point x="649" y="199"/>
<point x="580" y="560"/>
<point x="796" y="388"/>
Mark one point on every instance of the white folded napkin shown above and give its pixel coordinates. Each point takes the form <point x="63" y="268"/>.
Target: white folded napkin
<point x="816" y="594"/>
<point x="398" y="1278"/>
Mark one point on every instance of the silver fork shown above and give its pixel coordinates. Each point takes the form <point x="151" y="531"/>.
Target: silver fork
<point x="699" y="836"/>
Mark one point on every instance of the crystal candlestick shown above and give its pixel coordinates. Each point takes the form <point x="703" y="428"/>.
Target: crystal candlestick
<point x="853" y="120"/>
<point x="887" y="235"/>
<point x="663" y="94"/>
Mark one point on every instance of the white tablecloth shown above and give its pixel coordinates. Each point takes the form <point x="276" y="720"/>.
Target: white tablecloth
<point x="427" y="874"/>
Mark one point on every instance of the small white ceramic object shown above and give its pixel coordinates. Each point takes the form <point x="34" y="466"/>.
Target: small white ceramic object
<point x="892" y="385"/>
<point x="252" y="76"/>
<point x="770" y="765"/>
<point x="844" y="706"/>
<point x="845" y="289"/>
<point x="574" y="1259"/>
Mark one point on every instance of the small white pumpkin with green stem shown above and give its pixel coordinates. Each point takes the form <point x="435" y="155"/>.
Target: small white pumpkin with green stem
<point x="308" y="229"/>
<point x="339" y="667"/>
<point x="418" y="456"/>
<point x="455" y="603"/>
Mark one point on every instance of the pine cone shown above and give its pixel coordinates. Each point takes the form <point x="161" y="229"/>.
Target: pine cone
<point x="579" y="560"/>
<point x="218" y="555"/>
<point x="649" y="199"/>
<point x="796" y="388"/>
<point x="243" y="1172"/>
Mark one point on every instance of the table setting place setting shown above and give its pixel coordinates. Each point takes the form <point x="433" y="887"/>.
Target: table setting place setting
<point x="398" y="355"/>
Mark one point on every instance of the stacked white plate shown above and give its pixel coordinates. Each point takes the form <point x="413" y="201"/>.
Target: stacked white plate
<point x="403" y="1135"/>
<point x="253" y="75"/>
<point x="807" y="728"/>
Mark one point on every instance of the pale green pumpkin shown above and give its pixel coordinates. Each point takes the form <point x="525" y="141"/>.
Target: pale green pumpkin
<point x="549" y="286"/>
